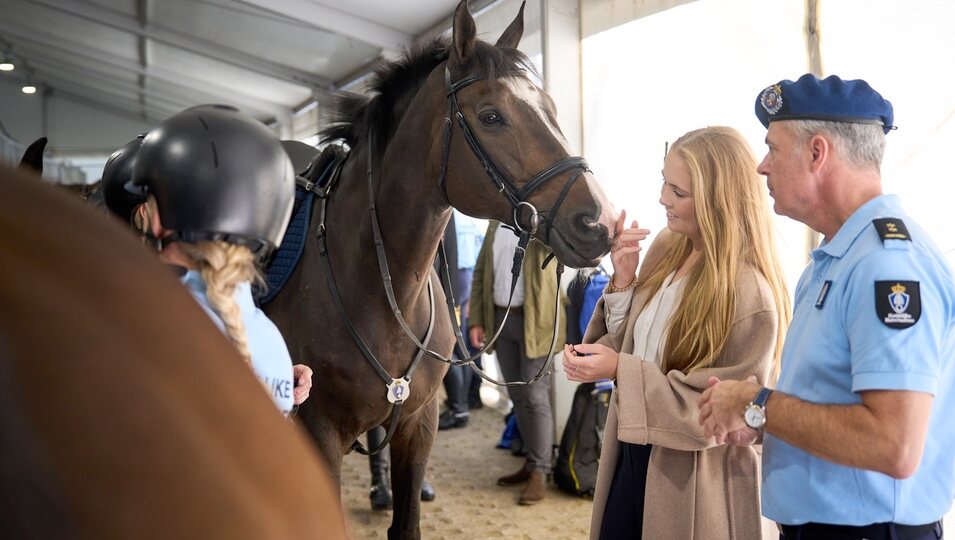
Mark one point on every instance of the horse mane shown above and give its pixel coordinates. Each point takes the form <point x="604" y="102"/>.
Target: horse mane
<point x="394" y="84"/>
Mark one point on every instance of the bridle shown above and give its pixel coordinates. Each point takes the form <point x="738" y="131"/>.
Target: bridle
<point x="399" y="388"/>
<point x="516" y="195"/>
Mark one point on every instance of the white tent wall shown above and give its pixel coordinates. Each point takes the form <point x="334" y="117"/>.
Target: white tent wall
<point x="649" y="80"/>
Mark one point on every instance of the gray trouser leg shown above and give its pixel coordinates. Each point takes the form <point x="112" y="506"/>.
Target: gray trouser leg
<point x="532" y="407"/>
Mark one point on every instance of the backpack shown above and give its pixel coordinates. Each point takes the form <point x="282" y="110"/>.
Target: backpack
<point x="582" y="295"/>
<point x="579" y="451"/>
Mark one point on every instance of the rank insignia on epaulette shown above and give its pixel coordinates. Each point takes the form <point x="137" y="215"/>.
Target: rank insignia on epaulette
<point x="891" y="229"/>
<point x="898" y="303"/>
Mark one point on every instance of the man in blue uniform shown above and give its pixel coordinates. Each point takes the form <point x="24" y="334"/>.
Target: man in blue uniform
<point x="858" y="434"/>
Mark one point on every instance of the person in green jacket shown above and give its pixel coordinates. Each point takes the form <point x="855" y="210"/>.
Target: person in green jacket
<point x="523" y="344"/>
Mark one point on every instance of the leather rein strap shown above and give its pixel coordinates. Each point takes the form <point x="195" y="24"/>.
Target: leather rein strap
<point x="398" y="388"/>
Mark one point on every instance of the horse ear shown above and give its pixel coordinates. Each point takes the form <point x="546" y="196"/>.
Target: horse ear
<point x="463" y="36"/>
<point x="33" y="157"/>
<point x="512" y="35"/>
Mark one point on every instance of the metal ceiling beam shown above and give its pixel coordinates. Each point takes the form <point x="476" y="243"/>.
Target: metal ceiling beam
<point x="477" y="7"/>
<point x="176" y="96"/>
<point x="142" y="44"/>
<point x="351" y="80"/>
<point x="99" y="104"/>
<point x="115" y="97"/>
<point x="335" y="21"/>
<point x="41" y="41"/>
<point x="124" y="23"/>
<point x="53" y="69"/>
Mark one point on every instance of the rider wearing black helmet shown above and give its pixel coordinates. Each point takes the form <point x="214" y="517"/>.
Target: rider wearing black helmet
<point x="117" y="175"/>
<point x="219" y="191"/>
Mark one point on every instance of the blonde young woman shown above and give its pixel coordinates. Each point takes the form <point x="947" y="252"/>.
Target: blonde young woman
<point x="219" y="191"/>
<point x="710" y="300"/>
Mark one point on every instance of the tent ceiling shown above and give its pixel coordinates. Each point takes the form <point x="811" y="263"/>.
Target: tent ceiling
<point x="151" y="58"/>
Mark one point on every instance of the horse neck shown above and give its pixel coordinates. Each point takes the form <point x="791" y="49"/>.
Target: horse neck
<point x="411" y="209"/>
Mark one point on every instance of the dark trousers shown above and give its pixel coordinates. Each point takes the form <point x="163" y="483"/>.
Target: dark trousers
<point x="458" y="380"/>
<point x="876" y="531"/>
<point x="456" y="383"/>
<point x="623" y="514"/>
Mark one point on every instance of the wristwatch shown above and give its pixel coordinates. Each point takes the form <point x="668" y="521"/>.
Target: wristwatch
<point x="755" y="413"/>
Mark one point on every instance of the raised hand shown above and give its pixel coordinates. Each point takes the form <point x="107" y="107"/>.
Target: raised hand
<point x="625" y="252"/>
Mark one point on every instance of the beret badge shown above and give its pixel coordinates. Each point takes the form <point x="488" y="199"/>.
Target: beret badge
<point x="772" y="99"/>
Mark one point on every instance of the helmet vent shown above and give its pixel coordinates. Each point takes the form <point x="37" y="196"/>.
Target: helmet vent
<point x="215" y="155"/>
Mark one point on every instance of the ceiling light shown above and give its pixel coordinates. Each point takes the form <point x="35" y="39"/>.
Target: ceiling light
<point x="6" y="60"/>
<point x="28" y="89"/>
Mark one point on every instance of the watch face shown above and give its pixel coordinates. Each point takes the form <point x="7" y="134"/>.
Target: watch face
<point x="754" y="416"/>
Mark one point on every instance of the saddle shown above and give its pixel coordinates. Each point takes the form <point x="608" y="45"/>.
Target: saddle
<point x="314" y="175"/>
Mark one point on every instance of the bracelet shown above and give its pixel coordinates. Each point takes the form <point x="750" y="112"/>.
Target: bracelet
<point x="611" y="289"/>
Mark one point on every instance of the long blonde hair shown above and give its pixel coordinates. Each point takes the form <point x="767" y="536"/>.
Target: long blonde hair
<point x="222" y="266"/>
<point x="734" y="221"/>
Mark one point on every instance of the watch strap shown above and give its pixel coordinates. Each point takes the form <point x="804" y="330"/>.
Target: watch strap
<point x="762" y="397"/>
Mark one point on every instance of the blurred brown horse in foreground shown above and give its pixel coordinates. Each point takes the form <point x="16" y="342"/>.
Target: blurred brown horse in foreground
<point x="455" y="123"/>
<point x="124" y="411"/>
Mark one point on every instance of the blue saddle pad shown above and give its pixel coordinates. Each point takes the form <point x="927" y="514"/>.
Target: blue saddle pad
<point x="290" y="251"/>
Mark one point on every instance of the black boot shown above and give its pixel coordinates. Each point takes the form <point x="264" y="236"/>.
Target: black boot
<point x="380" y="493"/>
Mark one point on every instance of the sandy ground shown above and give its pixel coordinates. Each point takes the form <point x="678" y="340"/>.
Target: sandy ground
<point x="463" y="469"/>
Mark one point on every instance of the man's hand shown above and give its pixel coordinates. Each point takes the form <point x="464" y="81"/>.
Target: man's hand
<point x="476" y="333"/>
<point x="722" y="406"/>
<point x="302" y="377"/>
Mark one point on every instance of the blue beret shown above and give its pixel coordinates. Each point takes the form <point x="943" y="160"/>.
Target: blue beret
<point x="832" y="99"/>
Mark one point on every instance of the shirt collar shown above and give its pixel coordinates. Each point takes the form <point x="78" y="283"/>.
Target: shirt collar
<point x="243" y="291"/>
<point x="881" y="206"/>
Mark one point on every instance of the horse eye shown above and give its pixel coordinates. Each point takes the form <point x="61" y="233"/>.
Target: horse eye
<point x="490" y="118"/>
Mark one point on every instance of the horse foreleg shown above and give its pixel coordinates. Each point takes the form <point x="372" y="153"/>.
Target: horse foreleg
<point x="410" y="448"/>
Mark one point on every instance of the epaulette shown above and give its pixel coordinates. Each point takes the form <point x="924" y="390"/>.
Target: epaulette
<point x="891" y="229"/>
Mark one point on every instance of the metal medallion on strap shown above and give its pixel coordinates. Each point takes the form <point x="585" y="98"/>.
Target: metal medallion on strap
<point x="399" y="390"/>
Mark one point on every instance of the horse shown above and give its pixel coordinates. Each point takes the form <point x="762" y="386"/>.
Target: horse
<point x="124" y="411"/>
<point x="451" y="123"/>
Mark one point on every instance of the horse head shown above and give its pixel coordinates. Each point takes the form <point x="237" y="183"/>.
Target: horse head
<point x="507" y="158"/>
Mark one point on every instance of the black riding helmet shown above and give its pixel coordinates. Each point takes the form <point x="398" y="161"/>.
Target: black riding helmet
<point x="117" y="175"/>
<point x="218" y="174"/>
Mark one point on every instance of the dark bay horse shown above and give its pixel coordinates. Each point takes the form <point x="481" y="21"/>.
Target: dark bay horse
<point x="124" y="411"/>
<point x="507" y="153"/>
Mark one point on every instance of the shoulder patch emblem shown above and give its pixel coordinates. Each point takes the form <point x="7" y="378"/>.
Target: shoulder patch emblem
<point x="891" y="229"/>
<point x="898" y="303"/>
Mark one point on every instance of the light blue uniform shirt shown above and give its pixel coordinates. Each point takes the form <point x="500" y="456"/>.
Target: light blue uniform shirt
<point x="270" y="357"/>
<point x="469" y="239"/>
<point x="839" y="345"/>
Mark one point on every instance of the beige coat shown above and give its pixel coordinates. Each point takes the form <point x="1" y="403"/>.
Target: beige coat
<point x="695" y="490"/>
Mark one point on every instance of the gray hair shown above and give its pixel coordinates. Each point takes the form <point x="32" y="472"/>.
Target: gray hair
<point x="862" y="145"/>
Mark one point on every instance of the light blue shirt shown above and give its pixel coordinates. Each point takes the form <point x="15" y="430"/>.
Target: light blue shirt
<point x="469" y="239"/>
<point x="270" y="357"/>
<point x="839" y="345"/>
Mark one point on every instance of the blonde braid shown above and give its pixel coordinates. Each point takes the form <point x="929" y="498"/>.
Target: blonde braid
<point x="222" y="267"/>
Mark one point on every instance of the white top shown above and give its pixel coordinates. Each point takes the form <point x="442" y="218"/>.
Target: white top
<point x="650" y="328"/>
<point x="505" y="241"/>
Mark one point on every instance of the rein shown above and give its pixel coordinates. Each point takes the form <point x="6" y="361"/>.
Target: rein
<point x="398" y="389"/>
